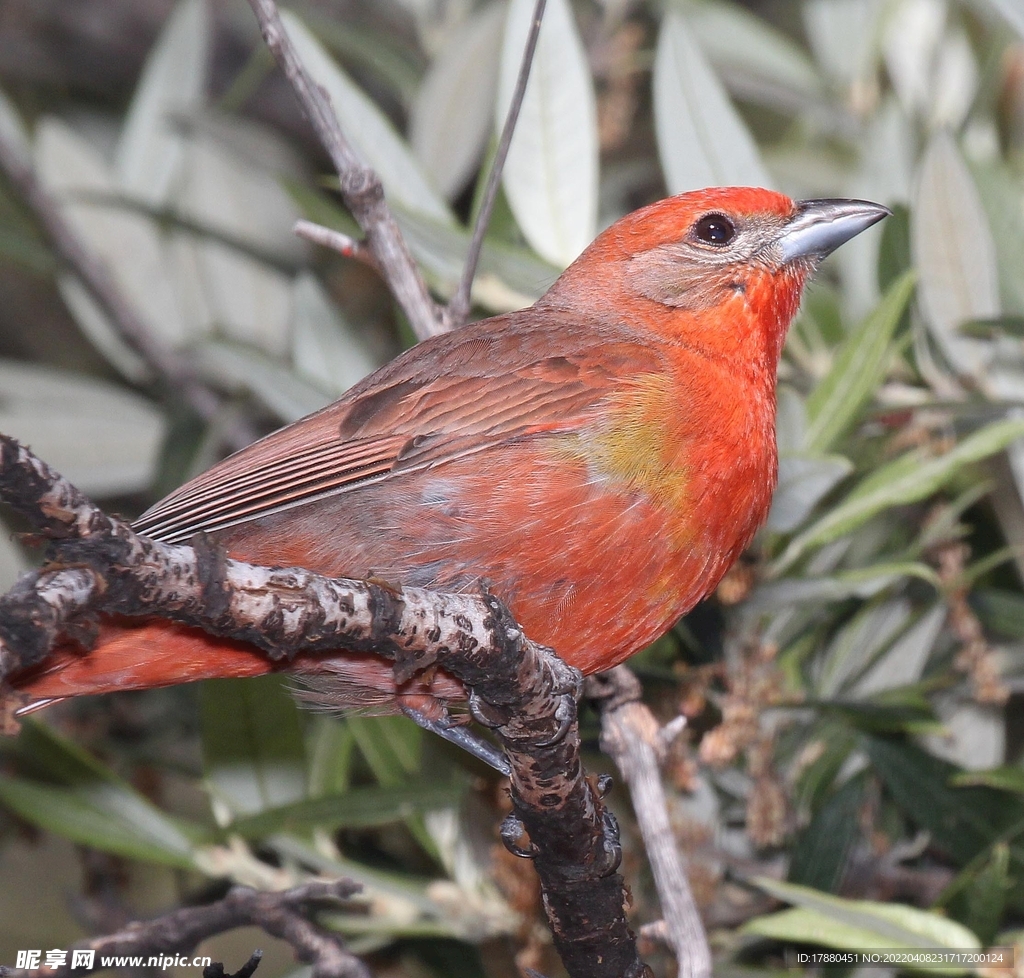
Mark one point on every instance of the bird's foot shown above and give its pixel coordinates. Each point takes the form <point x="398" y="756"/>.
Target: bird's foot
<point x="447" y="727"/>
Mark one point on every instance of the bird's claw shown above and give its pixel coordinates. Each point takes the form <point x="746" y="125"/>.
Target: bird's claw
<point x="565" y="714"/>
<point x="478" y="711"/>
<point x="611" y="843"/>
<point x="511" y="830"/>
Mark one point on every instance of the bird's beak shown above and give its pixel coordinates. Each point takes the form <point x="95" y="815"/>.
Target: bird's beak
<point x="821" y="226"/>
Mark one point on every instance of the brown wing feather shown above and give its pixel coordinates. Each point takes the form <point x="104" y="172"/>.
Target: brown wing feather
<point x="448" y="396"/>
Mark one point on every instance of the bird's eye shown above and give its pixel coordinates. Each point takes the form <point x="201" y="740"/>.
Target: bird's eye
<point x="714" y="229"/>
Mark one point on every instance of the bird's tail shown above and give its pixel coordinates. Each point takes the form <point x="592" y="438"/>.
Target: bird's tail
<point x="144" y="654"/>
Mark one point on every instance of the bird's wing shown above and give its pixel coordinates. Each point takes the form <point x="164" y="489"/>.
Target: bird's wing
<point x="455" y="394"/>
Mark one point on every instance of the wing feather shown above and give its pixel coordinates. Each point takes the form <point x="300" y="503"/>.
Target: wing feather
<point x="449" y="396"/>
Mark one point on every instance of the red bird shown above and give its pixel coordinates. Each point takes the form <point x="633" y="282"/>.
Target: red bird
<point x="599" y="459"/>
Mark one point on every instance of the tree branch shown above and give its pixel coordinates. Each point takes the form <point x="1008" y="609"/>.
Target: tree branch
<point x="523" y="691"/>
<point x="360" y="186"/>
<point x="630" y="736"/>
<point x="282" y="914"/>
<point x="458" y="308"/>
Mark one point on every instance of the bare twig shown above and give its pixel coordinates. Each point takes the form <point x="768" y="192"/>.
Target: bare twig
<point x="282" y="914"/>
<point x="458" y="308"/>
<point x="523" y="691"/>
<point x="167" y="364"/>
<point x="360" y="186"/>
<point x="336" y="241"/>
<point x="631" y="737"/>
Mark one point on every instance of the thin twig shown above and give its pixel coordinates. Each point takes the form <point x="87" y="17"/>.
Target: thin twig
<point x="281" y="914"/>
<point x="360" y="186"/>
<point x="458" y="308"/>
<point x="521" y="690"/>
<point x="631" y="737"/>
<point x="337" y="241"/>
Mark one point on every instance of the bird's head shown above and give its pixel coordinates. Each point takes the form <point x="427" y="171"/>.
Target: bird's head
<point x="720" y="269"/>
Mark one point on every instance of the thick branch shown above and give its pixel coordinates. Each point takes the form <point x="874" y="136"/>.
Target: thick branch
<point x="521" y="690"/>
<point x="631" y="737"/>
<point x="282" y="914"/>
<point x="360" y="186"/>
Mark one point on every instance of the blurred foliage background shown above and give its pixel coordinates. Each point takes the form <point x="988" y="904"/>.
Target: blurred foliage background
<point x="855" y="690"/>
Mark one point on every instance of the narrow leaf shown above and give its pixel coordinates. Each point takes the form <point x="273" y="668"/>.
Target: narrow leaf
<point x="13" y="131"/>
<point x="129" y="243"/>
<point x="104" y="438"/>
<point x="954" y="254"/>
<point x="453" y="112"/>
<point x="858" y="368"/>
<point x="702" y="141"/>
<point x="173" y="83"/>
<point x="1007" y="778"/>
<point x="803" y="482"/>
<point x="253" y="752"/>
<point x="101" y="816"/>
<point x="820" y="852"/>
<point x="325" y="348"/>
<point x="357" y="808"/>
<point x="550" y="175"/>
<point x="881" y="924"/>
<point x="962" y="821"/>
<point x="280" y="389"/>
<point x="909" y="479"/>
<point x="367" y="127"/>
<point x="1012" y="12"/>
<point x="756" y="61"/>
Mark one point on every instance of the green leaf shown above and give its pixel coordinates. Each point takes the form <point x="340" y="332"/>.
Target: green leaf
<point x="954" y="254"/>
<point x="702" y="140"/>
<point x="72" y="169"/>
<point x="894" y="248"/>
<point x="394" y="58"/>
<point x="106" y="439"/>
<point x="988" y="329"/>
<point x="1001" y="611"/>
<point x="52" y="756"/>
<point x="253" y="751"/>
<point x="804" y="480"/>
<point x="550" y="175"/>
<point x="857" y="370"/>
<point x="1012" y="12"/>
<point x="999" y="189"/>
<point x="102" y="815"/>
<point x="173" y="84"/>
<point x="908" y="479"/>
<point x="453" y="113"/>
<point x="863" y="582"/>
<point x="281" y="390"/>
<point x="330" y="757"/>
<point x="757" y="62"/>
<point x="982" y="897"/>
<point x="325" y="347"/>
<point x="1006" y="778"/>
<point x="915" y="713"/>
<point x="356" y="808"/>
<point x="368" y="129"/>
<point x="821" y="850"/>
<point x="13" y="131"/>
<point x="391" y="746"/>
<point x="844" y="37"/>
<point x="962" y="821"/>
<point x="849" y="924"/>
